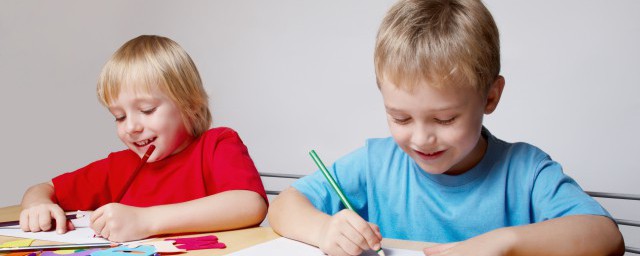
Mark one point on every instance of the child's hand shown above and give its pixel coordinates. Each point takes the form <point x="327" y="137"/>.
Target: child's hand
<point x="346" y="233"/>
<point x="119" y="223"/>
<point x="38" y="218"/>
<point x="494" y="243"/>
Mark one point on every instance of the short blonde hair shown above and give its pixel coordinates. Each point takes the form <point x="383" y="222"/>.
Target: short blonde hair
<point x="445" y="42"/>
<point x="150" y="60"/>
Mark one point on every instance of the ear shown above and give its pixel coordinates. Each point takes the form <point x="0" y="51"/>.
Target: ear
<point x="493" y="96"/>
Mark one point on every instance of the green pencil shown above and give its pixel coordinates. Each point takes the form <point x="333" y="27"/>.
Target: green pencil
<point x="335" y="186"/>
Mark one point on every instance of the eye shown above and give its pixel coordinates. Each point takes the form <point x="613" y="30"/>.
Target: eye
<point x="120" y="118"/>
<point x="445" y="122"/>
<point x="148" y="111"/>
<point x="401" y="120"/>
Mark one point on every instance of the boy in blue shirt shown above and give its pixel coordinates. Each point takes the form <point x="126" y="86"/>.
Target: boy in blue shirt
<point x="442" y="177"/>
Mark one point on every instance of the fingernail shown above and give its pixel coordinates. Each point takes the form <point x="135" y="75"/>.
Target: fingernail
<point x="59" y="231"/>
<point x="376" y="247"/>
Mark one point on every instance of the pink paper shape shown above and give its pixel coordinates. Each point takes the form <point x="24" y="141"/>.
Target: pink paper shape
<point x="198" y="243"/>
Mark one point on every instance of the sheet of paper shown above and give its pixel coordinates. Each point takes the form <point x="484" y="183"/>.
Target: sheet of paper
<point x="81" y="235"/>
<point x="285" y="246"/>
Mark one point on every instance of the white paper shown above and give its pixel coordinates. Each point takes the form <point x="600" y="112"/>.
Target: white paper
<point x="284" y="246"/>
<point x="81" y="235"/>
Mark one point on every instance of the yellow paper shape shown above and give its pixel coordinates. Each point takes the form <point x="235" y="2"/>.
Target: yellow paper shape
<point x="17" y="243"/>
<point x="63" y="252"/>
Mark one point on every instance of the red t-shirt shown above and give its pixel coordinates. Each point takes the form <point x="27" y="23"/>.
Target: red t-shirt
<point x="217" y="161"/>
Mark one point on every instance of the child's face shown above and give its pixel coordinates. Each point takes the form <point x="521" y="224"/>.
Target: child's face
<point x="149" y="118"/>
<point x="439" y="127"/>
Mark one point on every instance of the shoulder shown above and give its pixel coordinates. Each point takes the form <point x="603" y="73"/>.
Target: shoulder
<point x="220" y="134"/>
<point x="520" y="153"/>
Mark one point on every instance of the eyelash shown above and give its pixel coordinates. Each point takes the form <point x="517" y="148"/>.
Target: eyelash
<point x="401" y="121"/>
<point x="149" y="111"/>
<point x="146" y="112"/>
<point x="445" y="122"/>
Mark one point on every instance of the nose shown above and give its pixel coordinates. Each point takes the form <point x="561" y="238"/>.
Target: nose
<point x="133" y="125"/>
<point x="423" y="136"/>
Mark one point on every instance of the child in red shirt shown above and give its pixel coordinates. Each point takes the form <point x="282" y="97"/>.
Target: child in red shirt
<point x="197" y="179"/>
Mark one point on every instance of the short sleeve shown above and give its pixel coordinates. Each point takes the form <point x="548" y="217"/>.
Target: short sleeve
<point x="349" y="173"/>
<point x="555" y="194"/>
<point x="84" y="189"/>
<point x="229" y="165"/>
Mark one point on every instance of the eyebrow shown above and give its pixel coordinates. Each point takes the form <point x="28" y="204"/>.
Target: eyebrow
<point x="392" y="109"/>
<point x="137" y="101"/>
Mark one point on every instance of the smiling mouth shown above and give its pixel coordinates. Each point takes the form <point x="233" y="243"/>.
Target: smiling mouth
<point x="431" y="155"/>
<point x="143" y="143"/>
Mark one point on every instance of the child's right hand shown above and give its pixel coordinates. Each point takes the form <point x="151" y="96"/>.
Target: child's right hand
<point x="346" y="233"/>
<point x="39" y="217"/>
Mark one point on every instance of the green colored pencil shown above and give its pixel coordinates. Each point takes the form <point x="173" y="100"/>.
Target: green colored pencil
<point x="335" y="186"/>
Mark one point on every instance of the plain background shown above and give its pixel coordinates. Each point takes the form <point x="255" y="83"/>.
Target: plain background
<point x="291" y="76"/>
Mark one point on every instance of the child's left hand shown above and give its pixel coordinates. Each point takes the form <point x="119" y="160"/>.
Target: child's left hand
<point x="494" y="243"/>
<point x="119" y="223"/>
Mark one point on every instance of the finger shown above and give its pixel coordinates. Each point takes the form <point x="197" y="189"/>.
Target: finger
<point x="438" y="248"/>
<point x="376" y="229"/>
<point x="60" y="218"/>
<point x="96" y="214"/>
<point x="34" y="225"/>
<point x="348" y="246"/>
<point x="354" y="236"/>
<point x="105" y="233"/>
<point x="45" y="220"/>
<point x="24" y="220"/>
<point x="365" y="232"/>
<point x="98" y="226"/>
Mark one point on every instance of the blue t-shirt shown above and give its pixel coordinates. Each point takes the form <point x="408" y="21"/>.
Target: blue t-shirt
<point x="514" y="184"/>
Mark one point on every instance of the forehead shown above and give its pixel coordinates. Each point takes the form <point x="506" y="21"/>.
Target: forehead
<point x="426" y="96"/>
<point x="136" y="94"/>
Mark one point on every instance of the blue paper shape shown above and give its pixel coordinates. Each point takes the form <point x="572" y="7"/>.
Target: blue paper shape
<point x="143" y="250"/>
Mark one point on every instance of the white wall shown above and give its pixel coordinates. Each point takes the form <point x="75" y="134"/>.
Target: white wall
<point x="294" y="75"/>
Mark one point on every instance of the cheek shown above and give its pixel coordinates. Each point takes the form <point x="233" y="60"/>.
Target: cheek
<point x="400" y="133"/>
<point x="120" y="131"/>
<point x="465" y="137"/>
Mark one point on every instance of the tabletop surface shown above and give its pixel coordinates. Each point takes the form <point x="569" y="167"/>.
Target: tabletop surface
<point x="235" y="239"/>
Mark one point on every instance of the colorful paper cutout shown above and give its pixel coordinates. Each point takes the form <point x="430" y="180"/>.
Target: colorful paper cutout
<point x="198" y="243"/>
<point x="21" y="254"/>
<point x="161" y="246"/>
<point x="143" y="250"/>
<point x="77" y="252"/>
<point x="17" y="243"/>
<point x="65" y="252"/>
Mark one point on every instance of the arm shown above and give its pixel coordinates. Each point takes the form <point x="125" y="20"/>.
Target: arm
<point x="570" y="235"/>
<point x="227" y="210"/>
<point x="292" y="215"/>
<point x="38" y="207"/>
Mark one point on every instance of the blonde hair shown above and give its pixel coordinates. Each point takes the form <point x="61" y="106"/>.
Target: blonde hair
<point x="150" y="60"/>
<point x="445" y="42"/>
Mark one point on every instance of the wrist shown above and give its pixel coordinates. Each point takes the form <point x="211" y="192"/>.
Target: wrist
<point x="148" y="216"/>
<point x="321" y="230"/>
